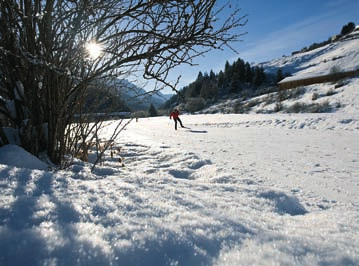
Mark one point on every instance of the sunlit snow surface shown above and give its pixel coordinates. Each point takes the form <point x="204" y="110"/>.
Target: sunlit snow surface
<point x="236" y="190"/>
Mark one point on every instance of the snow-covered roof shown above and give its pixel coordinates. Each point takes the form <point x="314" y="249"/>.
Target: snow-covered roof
<point x="313" y="75"/>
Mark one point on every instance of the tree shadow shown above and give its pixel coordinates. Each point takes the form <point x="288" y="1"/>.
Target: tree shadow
<point x="21" y="242"/>
<point x="184" y="248"/>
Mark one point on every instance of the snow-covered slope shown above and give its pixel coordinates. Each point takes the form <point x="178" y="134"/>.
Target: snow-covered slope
<point x="341" y="96"/>
<point x="342" y="55"/>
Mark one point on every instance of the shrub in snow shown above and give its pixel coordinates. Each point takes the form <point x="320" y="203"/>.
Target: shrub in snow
<point x="315" y="96"/>
<point x="300" y="107"/>
<point x="195" y="104"/>
<point x="341" y="83"/>
<point x="278" y="107"/>
<point x="331" y="92"/>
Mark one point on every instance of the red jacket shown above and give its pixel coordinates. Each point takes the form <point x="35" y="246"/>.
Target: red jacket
<point x="174" y="114"/>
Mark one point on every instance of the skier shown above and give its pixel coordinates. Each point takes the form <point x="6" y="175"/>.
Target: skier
<point x="175" y="115"/>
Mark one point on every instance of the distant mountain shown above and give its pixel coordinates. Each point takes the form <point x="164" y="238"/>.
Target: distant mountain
<point x="137" y="98"/>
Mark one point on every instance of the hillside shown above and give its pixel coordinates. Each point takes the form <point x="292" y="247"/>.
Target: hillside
<point x="342" y="55"/>
<point x="339" y="56"/>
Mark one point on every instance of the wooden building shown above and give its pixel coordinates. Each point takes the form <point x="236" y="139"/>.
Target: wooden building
<point x="293" y="82"/>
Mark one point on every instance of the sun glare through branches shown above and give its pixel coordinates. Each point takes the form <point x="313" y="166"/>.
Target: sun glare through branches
<point x="94" y="49"/>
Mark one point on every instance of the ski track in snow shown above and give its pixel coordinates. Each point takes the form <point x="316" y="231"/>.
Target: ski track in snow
<point x="264" y="190"/>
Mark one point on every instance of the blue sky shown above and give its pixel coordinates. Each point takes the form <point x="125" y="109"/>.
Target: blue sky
<point x="276" y="28"/>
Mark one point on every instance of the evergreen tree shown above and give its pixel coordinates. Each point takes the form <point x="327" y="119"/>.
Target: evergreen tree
<point x="259" y="76"/>
<point x="212" y="76"/>
<point x="214" y="91"/>
<point x="256" y="76"/>
<point x="152" y="111"/>
<point x="241" y="70"/>
<point x="222" y="84"/>
<point x="279" y="76"/>
<point x="263" y="75"/>
<point x="188" y="91"/>
<point x="227" y="70"/>
<point x="198" y="85"/>
<point x="235" y="83"/>
<point x="221" y="79"/>
<point x="209" y="89"/>
<point x="205" y="90"/>
<point x="348" y="28"/>
<point x="248" y="73"/>
<point x="200" y="76"/>
<point x="233" y="79"/>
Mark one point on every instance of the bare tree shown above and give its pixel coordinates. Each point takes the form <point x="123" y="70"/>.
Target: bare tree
<point x="51" y="51"/>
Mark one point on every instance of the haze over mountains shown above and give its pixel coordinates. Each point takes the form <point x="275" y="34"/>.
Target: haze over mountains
<point x="138" y="98"/>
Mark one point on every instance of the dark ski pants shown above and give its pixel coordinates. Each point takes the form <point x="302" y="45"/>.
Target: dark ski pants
<point x="179" y="120"/>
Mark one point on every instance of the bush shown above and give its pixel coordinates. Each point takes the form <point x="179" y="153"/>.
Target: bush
<point x="139" y="114"/>
<point x="298" y="108"/>
<point x="348" y="28"/>
<point x="152" y="111"/>
<point x="331" y="92"/>
<point x="278" y="107"/>
<point x="195" y="104"/>
<point x="340" y="84"/>
<point x="324" y="107"/>
<point x="338" y="105"/>
<point x="282" y="96"/>
<point x="240" y="108"/>
<point x="295" y="93"/>
<point x="270" y="99"/>
<point x="335" y="70"/>
<point x="291" y="94"/>
<point x="315" y="96"/>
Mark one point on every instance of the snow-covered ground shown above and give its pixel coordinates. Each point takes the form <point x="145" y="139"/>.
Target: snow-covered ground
<point x="274" y="189"/>
<point x="234" y="190"/>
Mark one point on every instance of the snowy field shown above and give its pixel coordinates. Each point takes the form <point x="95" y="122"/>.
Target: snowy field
<point x="234" y="190"/>
<point x="279" y="189"/>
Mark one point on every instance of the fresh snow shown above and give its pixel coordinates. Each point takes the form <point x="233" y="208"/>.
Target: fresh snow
<point x="270" y="189"/>
<point x="253" y="190"/>
<point x="10" y="156"/>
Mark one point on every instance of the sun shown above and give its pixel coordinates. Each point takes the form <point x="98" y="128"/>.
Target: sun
<point x="94" y="49"/>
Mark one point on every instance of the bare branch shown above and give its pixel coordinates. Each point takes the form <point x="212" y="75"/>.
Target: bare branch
<point x="45" y="68"/>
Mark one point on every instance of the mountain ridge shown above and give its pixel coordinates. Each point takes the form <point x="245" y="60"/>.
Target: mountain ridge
<point x="138" y="98"/>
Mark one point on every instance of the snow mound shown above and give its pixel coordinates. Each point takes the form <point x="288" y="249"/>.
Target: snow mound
<point x="284" y="204"/>
<point x="16" y="156"/>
